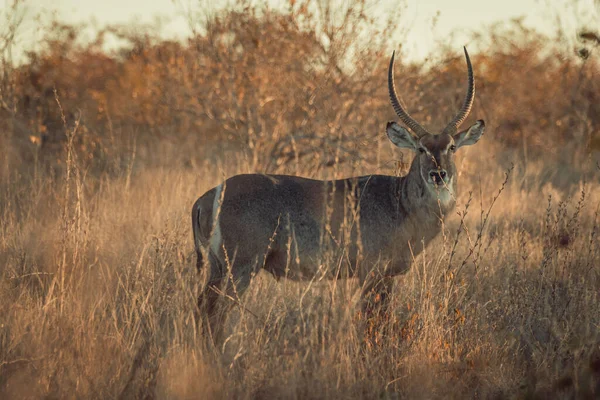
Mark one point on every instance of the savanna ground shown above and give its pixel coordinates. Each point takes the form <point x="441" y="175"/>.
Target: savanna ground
<point x="103" y="154"/>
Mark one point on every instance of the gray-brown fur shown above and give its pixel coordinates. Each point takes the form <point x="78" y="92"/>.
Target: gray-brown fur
<point x="288" y="225"/>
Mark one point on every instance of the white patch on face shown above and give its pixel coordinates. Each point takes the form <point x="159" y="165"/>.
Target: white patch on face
<point x="216" y="238"/>
<point x="427" y="152"/>
<point x="447" y="149"/>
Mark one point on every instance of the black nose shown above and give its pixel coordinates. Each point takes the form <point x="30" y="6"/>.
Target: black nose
<point x="437" y="176"/>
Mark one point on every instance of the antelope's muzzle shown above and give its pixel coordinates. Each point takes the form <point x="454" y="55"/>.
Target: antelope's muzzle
<point x="438" y="177"/>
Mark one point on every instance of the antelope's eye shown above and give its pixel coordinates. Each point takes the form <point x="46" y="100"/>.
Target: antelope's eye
<point x="453" y="148"/>
<point x="421" y="150"/>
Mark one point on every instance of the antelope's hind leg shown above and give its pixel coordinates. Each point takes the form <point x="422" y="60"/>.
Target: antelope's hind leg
<point x="209" y="293"/>
<point x="223" y="290"/>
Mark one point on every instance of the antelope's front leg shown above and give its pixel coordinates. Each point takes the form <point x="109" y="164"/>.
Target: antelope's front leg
<point x="376" y="292"/>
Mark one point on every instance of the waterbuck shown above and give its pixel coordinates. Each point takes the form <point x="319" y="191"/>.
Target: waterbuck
<point x="373" y="225"/>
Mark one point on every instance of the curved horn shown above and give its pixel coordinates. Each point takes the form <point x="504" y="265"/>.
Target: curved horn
<point x="466" y="108"/>
<point x="404" y="116"/>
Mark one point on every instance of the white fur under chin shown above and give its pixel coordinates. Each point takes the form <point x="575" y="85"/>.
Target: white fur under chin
<point x="444" y="193"/>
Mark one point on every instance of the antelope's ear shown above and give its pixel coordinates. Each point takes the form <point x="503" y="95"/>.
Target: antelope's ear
<point x="470" y="136"/>
<point x="400" y="136"/>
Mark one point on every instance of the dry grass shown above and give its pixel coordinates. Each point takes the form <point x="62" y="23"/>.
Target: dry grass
<point x="98" y="282"/>
<point x="98" y="295"/>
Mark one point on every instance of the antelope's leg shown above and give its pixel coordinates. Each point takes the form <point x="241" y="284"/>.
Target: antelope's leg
<point x="376" y="292"/>
<point x="209" y="297"/>
<point x="223" y="290"/>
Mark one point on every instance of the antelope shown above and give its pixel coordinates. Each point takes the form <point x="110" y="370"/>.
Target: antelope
<point x="284" y="224"/>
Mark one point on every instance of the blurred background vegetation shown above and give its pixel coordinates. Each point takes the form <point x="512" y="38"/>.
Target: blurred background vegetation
<point x="280" y="85"/>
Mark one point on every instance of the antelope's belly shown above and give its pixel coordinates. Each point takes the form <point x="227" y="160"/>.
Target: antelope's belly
<point x="313" y="259"/>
